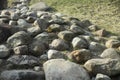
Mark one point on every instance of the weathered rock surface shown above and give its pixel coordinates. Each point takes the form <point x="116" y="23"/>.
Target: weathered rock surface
<point x="108" y="66"/>
<point x="22" y="75"/>
<point x="59" y="69"/>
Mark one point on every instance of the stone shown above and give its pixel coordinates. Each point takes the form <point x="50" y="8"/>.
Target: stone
<point x="59" y="44"/>
<point x="23" y="24"/>
<point x="37" y="48"/>
<point x="22" y="75"/>
<point x="112" y="43"/>
<point x="80" y="56"/>
<point x="55" y="28"/>
<point x="59" y="69"/>
<point x="21" y="50"/>
<point x="54" y="54"/>
<point x="43" y="58"/>
<point x="107" y="66"/>
<point x="101" y="33"/>
<point x="33" y="31"/>
<point x="77" y="29"/>
<point x="110" y="53"/>
<point x="4" y="51"/>
<point x="46" y="37"/>
<point x="66" y="35"/>
<point x="42" y="23"/>
<point x="102" y="77"/>
<point x="96" y="48"/>
<point x="18" y="39"/>
<point x="42" y="6"/>
<point x="11" y="22"/>
<point x="23" y="61"/>
<point x="79" y="43"/>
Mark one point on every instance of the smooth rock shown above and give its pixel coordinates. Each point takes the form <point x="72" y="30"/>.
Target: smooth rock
<point x="59" y="44"/>
<point x="54" y="54"/>
<point x="59" y="69"/>
<point x="79" y="43"/>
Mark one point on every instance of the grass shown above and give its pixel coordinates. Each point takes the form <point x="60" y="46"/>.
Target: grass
<point x="103" y="13"/>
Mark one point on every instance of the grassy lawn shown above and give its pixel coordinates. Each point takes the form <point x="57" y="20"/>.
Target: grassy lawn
<point x="100" y="12"/>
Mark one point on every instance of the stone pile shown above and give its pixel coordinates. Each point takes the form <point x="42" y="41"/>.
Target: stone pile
<point x="36" y="44"/>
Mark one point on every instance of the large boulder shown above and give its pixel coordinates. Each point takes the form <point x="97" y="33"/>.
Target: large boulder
<point x="59" y="69"/>
<point x="22" y="75"/>
<point x="107" y="66"/>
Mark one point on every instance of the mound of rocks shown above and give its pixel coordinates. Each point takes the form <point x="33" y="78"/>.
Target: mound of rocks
<point x="38" y="44"/>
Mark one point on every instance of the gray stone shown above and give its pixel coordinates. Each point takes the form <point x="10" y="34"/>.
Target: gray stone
<point x="110" y="53"/>
<point x="80" y="56"/>
<point x="59" y="69"/>
<point x="42" y="6"/>
<point x="107" y="66"/>
<point x="23" y="61"/>
<point x="33" y="31"/>
<point x="79" y="43"/>
<point x="59" y="44"/>
<point x="102" y="77"/>
<point x="21" y="50"/>
<point x="66" y="35"/>
<point x="19" y="38"/>
<point x="37" y="48"/>
<point x="42" y="23"/>
<point x="96" y="48"/>
<point x="76" y="29"/>
<point x="23" y="24"/>
<point x="54" y="54"/>
<point x="22" y="75"/>
<point x="46" y="37"/>
<point x="4" y="51"/>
